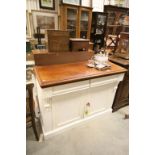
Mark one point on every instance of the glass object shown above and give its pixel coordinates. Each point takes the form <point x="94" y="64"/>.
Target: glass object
<point x="84" y="24"/>
<point x="71" y="21"/>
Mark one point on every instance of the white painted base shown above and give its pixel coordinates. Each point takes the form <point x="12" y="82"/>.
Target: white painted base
<point x="75" y="124"/>
<point x="66" y="106"/>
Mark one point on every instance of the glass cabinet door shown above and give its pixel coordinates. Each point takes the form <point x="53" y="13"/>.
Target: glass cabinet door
<point x="84" y="24"/>
<point x="100" y="23"/>
<point x="72" y="21"/>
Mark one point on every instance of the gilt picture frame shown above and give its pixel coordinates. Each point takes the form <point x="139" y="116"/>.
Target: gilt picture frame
<point x="74" y="2"/>
<point x="44" y="20"/>
<point x="28" y="26"/>
<point x="47" y="4"/>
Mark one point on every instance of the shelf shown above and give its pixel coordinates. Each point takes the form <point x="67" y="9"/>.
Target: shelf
<point x="83" y="20"/>
<point x="71" y="29"/>
<point x="71" y="19"/>
<point x="84" y="30"/>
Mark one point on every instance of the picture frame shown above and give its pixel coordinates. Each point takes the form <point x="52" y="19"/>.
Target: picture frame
<point x="28" y="26"/>
<point x="44" y="20"/>
<point x="74" y="2"/>
<point x="47" y="4"/>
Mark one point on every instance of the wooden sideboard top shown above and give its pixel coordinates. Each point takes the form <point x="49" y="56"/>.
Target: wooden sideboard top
<point x="119" y="61"/>
<point x="52" y="75"/>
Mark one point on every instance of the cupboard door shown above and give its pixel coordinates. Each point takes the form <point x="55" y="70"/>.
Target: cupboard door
<point x="101" y="98"/>
<point x="72" y="14"/>
<point x="69" y="107"/>
<point x="85" y="23"/>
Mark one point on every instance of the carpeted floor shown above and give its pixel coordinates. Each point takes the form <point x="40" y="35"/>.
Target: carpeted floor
<point x="107" y="135"/>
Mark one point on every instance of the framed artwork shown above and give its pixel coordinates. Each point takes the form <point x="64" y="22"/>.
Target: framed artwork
<point x="47" y="4"/>
<point x="28" y="25"/>
<point x="75" y="2"/>
<point x="44" y="20"/>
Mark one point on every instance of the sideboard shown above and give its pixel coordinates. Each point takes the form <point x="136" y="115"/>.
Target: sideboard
<point x="72" y="93"/>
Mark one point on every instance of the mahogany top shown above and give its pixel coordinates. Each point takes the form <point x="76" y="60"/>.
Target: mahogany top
<point x="119" y="61"/>
<point x="57" y="74"/>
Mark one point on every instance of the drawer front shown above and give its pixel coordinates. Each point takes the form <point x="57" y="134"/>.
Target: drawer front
<point x="69" y="88"/>
<point x="106" y="80"/>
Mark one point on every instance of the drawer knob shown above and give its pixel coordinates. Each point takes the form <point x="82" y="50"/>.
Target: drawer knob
<point x="87" y="109"/>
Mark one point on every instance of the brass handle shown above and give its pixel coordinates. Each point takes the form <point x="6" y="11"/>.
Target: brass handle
<point x="87" y="110"/>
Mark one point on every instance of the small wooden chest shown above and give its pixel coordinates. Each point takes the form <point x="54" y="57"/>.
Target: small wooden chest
<point x="79" y="44"/>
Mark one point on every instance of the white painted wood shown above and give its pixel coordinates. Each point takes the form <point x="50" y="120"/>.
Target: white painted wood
<point x="101" y="98"/>
<point x="59" y="130"/>
<point x="69" y="107"/>
<point x="45" y="112"/>
<point x="66" y="105"/>
<point x="69" y="88"/>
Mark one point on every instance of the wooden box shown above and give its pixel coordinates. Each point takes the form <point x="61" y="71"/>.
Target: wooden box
<point x="79" y="44"/>
<point x="58" y="41"/>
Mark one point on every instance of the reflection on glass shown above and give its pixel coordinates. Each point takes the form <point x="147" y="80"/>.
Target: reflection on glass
<point x="111" y="18"/>
<point x="84" y="24"/>
<point x="71" y="22"/>
<point x="101" y="20"/>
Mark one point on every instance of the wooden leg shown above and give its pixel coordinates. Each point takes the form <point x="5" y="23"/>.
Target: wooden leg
<point x="35" y="129"/>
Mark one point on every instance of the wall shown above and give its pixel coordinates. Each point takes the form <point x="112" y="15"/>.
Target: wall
<point x="34" y="5"/>
<point x="98" y="5"/>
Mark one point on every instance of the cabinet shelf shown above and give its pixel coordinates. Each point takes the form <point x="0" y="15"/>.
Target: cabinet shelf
<point x="71" y="19"/>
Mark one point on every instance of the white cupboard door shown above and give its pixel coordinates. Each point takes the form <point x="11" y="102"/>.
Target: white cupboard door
<point x="69" y="107"/>
<point x="101" y="98"/>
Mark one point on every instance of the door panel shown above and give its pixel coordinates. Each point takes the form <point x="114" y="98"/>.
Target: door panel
<point x="101" y="98"/>
<point x="69" y="107"/>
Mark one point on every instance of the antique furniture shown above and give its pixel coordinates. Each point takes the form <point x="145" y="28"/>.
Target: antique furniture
<point x="117" y="21"/>
<point x="79" y="44"/>
<point x="121" y="57"/>
<point x="117" y="16"/>
<point x="57" y="40"/>
<point x="111" y="42"/>
<point x="122" y="50"/>
<point x="98" y="28"/>
<point x="76" y="19"/>
<point x="30" y="109"/>
<point x="60" y="57"/>
<point x="72" y="93"/>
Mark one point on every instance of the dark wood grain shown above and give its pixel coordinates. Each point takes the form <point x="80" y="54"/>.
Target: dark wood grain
<point x="71" y="72"/>
<point x="79" y="44"/>
<point x="61" y="57"/>
<point x="58" y="41"/>
<point x="29" y="88"/>
<point x="119" y="61"/>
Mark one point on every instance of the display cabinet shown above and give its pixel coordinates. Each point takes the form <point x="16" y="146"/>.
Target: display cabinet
<point x="76" y="19"/>
<point x="98" y="28"/>
<point x="118" y="19"/>
<point x="121" y="57"/>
